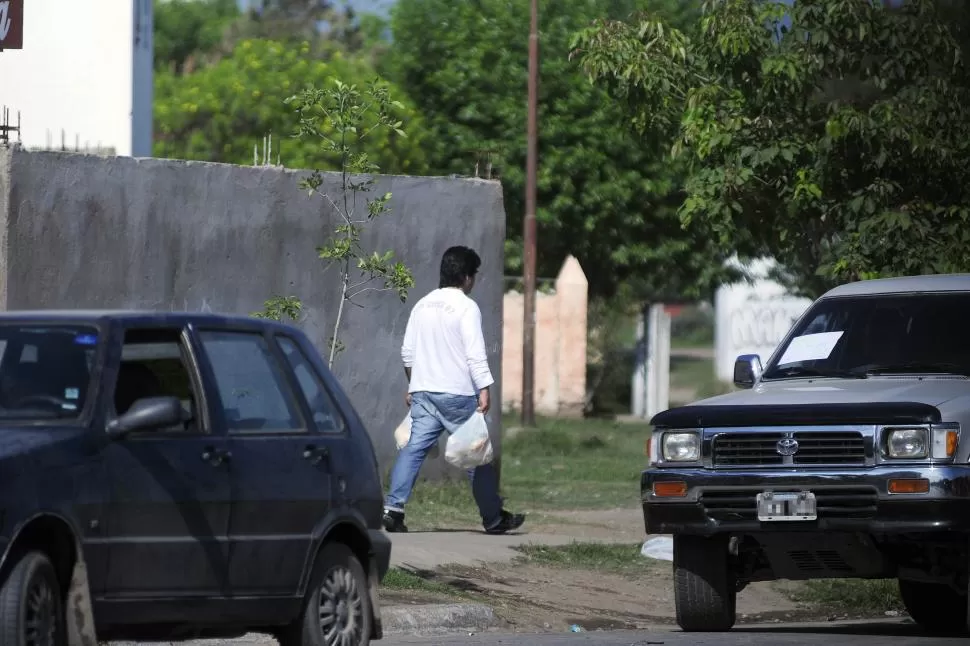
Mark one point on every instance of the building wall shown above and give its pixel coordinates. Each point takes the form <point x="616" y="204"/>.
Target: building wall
<point x="560" y="346"/>
<point x="752" y="318"/>
<point x="96" y="232"/>
<point x="85" y="71"/>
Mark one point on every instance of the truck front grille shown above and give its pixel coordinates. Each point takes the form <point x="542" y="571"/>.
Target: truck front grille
<point x="815" y="448"/>
<point x="834" y="502"/>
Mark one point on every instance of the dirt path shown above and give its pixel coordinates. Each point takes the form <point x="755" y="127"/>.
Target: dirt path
<point x="533" y="598"/>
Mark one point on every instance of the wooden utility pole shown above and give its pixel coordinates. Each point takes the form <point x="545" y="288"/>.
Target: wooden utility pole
<point x="529" y="233"/>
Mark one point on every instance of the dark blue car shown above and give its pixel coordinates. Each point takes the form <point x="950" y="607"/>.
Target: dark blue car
<point x="168" y="476"/>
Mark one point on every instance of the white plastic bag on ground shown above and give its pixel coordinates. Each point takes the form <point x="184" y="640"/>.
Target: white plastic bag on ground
<point x="660" y="548"/>
<point x="402" y="434"/>
<point x="469" y="446"/>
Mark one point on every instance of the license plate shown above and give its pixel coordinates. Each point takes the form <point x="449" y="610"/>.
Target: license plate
<point x="784" y="506"/>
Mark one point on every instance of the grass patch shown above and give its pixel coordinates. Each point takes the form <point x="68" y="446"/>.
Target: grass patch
<point x="611" y="558"/>
<point x="854" y="596"/>
<point x="574" y="464"/>
<point x="399" y="580"/>
<point x="561" y="464"/>
<point x="691" y="373"/>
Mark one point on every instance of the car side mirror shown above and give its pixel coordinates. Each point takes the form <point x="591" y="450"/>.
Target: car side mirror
<point x="747" y="370"/>
<point x="147" y="414"/>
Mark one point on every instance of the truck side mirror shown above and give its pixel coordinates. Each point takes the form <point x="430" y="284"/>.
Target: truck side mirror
<point x="147" y="414"/>
<point x="747" y="370"/>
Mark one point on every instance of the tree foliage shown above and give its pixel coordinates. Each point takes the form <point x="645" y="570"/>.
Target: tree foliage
<point x="187" y="28"/>
<point x="220" y="112"/>
<point x="605" y="195"/>
<point x="194" y="33"/>
<point x="832" y="135"/>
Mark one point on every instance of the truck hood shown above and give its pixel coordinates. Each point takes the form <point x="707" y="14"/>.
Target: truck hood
<point x="933" y="391"/>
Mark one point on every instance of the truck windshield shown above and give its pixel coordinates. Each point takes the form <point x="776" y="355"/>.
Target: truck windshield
<point x="45" y="370"/>
<point x="923" y="333"/>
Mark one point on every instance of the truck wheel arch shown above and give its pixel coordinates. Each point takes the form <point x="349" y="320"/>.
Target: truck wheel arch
<point x="349" y="530"/>
<point x="52" y="534"/>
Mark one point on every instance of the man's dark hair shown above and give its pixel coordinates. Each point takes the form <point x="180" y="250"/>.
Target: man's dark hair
<point x="457" y="264"/>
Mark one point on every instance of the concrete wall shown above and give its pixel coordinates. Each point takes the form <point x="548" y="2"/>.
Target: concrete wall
<point x="86" y="231"/>
<point x="752" y="317"/>
<point x="560" y="346"/>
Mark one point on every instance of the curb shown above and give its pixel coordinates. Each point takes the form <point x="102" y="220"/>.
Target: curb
<point x="438" y="618"/>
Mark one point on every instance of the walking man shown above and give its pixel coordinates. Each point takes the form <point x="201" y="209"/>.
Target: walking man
<point x="449" y="379"/>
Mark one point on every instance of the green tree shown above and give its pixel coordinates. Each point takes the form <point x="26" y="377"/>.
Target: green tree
<point x="194" y="33"/>
<point x="832" y="135"/>
<point x="340" y="119"/>
<point x="605" y="195"/>
<point x="221" y="112"/>
<point x="187" y="28"/>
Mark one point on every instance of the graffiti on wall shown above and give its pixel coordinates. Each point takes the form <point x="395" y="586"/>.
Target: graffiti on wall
<point x="752" y="319"/>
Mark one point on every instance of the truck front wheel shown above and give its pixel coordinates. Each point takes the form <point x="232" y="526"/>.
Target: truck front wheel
<point x="705" y="589"/>
<point x="937" y="608"/>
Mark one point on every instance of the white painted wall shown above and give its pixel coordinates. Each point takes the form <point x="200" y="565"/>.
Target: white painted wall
<point x="86" y="70"/>
<point x="752" y="318"/>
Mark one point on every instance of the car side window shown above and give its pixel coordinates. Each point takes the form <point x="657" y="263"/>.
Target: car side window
<point x="155" y="363"/>
<point x="326" y="415"/>
<point x="251" y="385"/>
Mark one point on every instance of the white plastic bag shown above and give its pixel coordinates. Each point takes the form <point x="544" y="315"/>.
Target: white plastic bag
<point x="469" y="446"/>
<point x="660" y="548"/>
<point x="402" y="434"/>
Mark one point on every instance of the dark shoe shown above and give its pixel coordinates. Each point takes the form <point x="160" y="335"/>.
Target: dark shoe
<point x="394" y="521"/>
<point x="507" y="524"/>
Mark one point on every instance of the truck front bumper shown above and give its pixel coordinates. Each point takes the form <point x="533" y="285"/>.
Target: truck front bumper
<point x="850" y="500"/>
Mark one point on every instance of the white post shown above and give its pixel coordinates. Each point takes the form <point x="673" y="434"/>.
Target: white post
<point x="658" y="360"/>
<point x="663" y="361"/>
<point x="638" y="394"/>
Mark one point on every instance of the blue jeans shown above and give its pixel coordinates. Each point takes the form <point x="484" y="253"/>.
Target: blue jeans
<point x="432" y="413"/>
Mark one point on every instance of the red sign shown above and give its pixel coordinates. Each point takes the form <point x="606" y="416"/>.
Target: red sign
<point x="11" y="24"/>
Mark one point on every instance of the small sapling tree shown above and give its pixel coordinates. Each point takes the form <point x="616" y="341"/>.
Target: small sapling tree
<point x="340" y="117"/>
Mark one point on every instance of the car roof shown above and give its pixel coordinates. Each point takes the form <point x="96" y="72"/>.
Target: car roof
<point x="903" y="285"/>
<point x="136" y="317"/>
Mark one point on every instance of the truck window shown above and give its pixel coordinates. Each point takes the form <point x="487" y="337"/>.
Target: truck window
<point x="45" y="370"/>
<point x="154" y="364"/>
<point x="889" y="333"/>
<point x="252" y="389"/>
<point x="326" y="417"/>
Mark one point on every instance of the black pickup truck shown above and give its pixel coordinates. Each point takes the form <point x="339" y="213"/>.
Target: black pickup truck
<point x="174" y="476"/>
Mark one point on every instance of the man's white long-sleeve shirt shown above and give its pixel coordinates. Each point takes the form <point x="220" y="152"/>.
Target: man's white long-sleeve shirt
<point x="444" y="346"/>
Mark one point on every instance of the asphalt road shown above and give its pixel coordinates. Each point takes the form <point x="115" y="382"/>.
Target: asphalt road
<point x="855" y="634"/>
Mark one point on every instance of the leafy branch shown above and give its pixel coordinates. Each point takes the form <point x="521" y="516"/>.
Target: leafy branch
<point x="340" y="117"/>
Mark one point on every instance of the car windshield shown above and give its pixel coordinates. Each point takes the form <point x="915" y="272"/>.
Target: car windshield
<point x="856" y="337"/>
<point x="45" y="371"/>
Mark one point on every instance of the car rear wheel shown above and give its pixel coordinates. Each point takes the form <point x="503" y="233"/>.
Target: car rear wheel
<point x="705" y="589"/>
<point x="937" y="608"/>
<point x="31" y="607"/>
<point x="337" y="607"/>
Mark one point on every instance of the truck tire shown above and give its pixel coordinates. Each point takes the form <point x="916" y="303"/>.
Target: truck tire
<point x="337" y="607"/>
<point x="31" y="604"/>
<point x="705" y="590"/>
<point x="937" y="608"/>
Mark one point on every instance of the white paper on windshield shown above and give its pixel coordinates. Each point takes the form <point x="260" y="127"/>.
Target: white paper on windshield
<point x="810" y="347"/>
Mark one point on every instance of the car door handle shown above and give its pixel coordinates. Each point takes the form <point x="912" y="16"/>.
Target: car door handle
<point x="215" y="456"/>
<point x="315" y="454"/>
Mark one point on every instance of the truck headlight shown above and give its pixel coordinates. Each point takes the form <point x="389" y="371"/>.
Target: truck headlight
<point x="907" y="443"/>
<point x="681" y="447"/>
